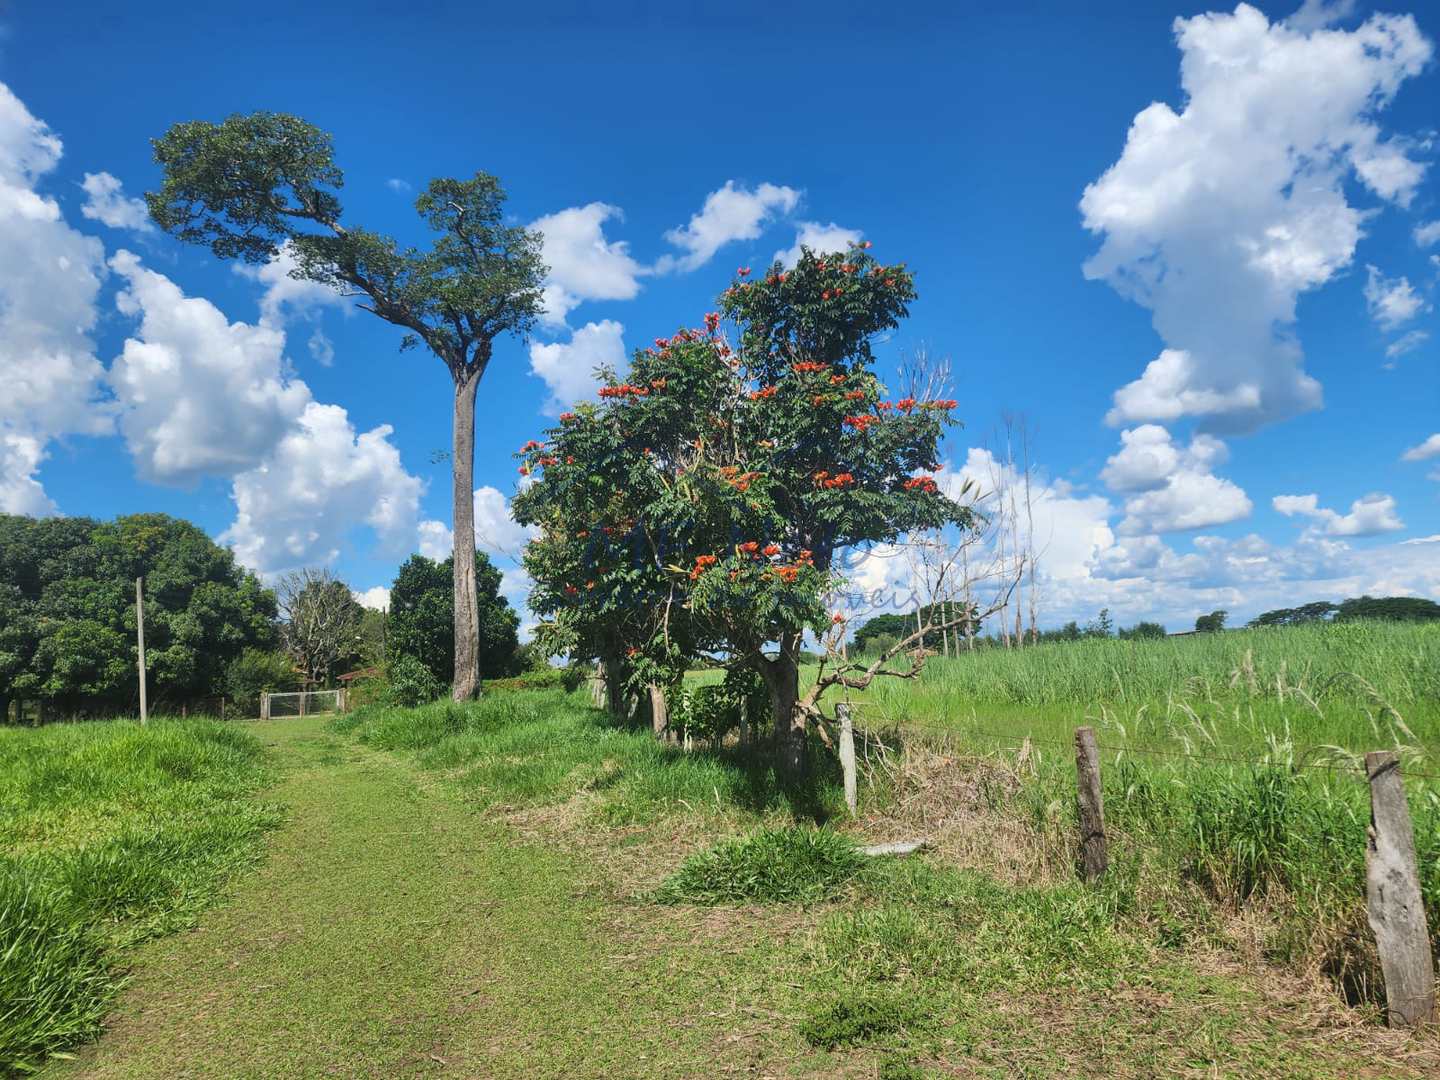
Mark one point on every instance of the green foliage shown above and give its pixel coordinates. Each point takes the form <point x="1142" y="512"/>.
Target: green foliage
<point x="787" y="865"/>
<point x="714" y="710"/>
<point x="422" y="618"/>
<point x="254" y="672"/>
<point x="881" y="632"/>
<point x="251" y="184"/>
<point x="67" y="611"/>
<point x="1306" y="613"/>
<point x="109" y="834"/>
<point x="1411" y="608"/>
<point x="1142" y="631"/>
<point x="855" y="1019"/>
<point x="547" y="678"/>
<point x="411" y="683"/>
<point x="1212" y="623"/>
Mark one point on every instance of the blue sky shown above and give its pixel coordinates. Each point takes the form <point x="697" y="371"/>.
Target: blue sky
<point x="1180" y="423"/>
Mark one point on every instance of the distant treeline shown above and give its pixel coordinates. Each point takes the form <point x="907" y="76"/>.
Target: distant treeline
<point x="878" y="633"/>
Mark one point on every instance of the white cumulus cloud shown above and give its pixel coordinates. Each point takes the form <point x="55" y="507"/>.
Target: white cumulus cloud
<point x="583" y="264"/>
<point x="1406" y="343"/>
<point x="568" y="368"/>
<point x="818" y="238"/>
<point x="301" y="504"/>
<point x="50" y="275"/>
<point x="731" y="213"/>
<point x="1218" y="216"/>
<point x="106" y="202"/>
<point x="1392" y="301"/>
<point x="376" y="598"/>
<point x="1424" y="451"/>
<point x="1172" y="487"/>
<point x="1369" y="515"/>
<point x="1427" y="234"/>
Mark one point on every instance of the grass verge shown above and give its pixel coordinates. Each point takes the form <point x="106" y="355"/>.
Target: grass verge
<point x="110" y="833"/>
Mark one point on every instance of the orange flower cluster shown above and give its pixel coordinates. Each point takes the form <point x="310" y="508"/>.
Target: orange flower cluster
<point x="787" y="574"/>
<point x="824" y="480"/>
<point x="818" y="400"/>
<point x="750" y="547"/>
<point x="854" y="395"/>
<point x="533" y="444"/>
<point x="736" y="479"/>
<point x="861" y="422"/>
<point x="712" y="321"/>
<point x="764" y="392"/>
<point x="921" y="483"/>
<point x="776" y="279"/>
<point x="549" y="461"/>
<point x="829" y="293"/>
<point x="624" y="390"/>
<point x="743" y="271"/>
<point x="566" y="417"/>
<point x="633" y="650"/>
<point x="805" y="366"/>
<point x="702" y="563"/>
<point x="939" y="403"/>
<point x="836" y="380"/>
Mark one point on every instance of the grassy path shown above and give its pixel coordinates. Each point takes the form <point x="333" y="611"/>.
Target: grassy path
<point x="394" y="932"/>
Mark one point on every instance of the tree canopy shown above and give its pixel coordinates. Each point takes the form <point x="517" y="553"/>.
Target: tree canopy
<point x="422" y="627"/>
<point x="67" y="611"/>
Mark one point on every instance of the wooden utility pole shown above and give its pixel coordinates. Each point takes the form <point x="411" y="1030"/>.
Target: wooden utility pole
<point x="1397" y="911"/>
<point x="140" y="641"/>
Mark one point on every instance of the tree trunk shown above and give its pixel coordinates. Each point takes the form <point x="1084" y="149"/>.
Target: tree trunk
<point x="467" y="617"/>
<point x="782" y="679"/>
<point x="659" y="713"/>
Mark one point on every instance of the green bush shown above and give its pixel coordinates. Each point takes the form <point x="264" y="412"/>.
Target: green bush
<point x="255" y="672"/>
<point x="785" y="865"/>
<point x="542" y="678"/>
<point x="411" y="683"/>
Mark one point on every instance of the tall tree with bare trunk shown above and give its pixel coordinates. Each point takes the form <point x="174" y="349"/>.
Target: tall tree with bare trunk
<point x="255" y="184"/>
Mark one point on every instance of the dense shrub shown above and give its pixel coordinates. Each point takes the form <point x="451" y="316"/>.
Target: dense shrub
<point x="783" y="865"/>
<point x="411" y="683"/>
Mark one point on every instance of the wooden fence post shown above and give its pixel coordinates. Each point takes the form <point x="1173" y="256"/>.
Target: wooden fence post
<point x="847" y="755"/>
<point x="264" y="706"/>
<point x="1392" y="889"/>
<point x="1093" y="857"/>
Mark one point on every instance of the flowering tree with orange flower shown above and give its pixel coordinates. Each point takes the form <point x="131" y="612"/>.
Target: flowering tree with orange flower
<point x="735" y="478"/>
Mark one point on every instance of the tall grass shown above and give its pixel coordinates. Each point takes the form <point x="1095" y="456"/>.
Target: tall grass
<point x="1353" y="685"/>
<point x="534" y="747"/>
<point x="109" y="833"/>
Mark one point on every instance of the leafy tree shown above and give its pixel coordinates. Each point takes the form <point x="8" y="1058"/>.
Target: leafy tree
<point x="255" y="672"/>
<point x="1212" y="623"/>
<point x="1142" y="631"/>
<point x="733" y="480"/>
<point x="322" y="621"/>
<point x="1318" y="611"/>
<point x="67" y="611"/>
<point x="879" y="632"/>
<point x="251" y="185"/>
<point x="1100" y="626"/>
<point x="411" y="683"/>
<point x="422" y="623"/>
<point x="1405" y="608"/>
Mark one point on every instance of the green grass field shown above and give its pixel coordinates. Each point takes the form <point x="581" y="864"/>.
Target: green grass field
<point x="110" y="834"/>
<point x="521" y="887"/>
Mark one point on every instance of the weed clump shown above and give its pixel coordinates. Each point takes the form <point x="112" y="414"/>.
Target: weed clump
<point x="859" y="1017"/>
<point x="784" y="865"/>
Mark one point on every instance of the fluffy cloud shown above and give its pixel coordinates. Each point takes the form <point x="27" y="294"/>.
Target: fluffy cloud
<point x="1218" y="216"/>
<point x="20" y="492"/>
<point x="50" y="277"/>
<point x="300" y="505"/>
<point x="729" y="214"/>
<point x="200" y="395"/>
<point x="376" y="598"/>
<point x="1317" y="14"/>
<point x="1427" y="234"/>
<point x="1407" y="343"/>
<point x="106" y="203"/>
<point x="1148" y="458"/>
<point x="1392" y="301"/>
<point x="288" y="296"/>
<point x="568" y="368"/>
<point x="1171" y="487"/>
<point x="583" y="264"/>
<point x="817" y="237"/>
<point x="496" y="531"/>
<point x="1369" y="516"/>
<point x="1424" y="451"/>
